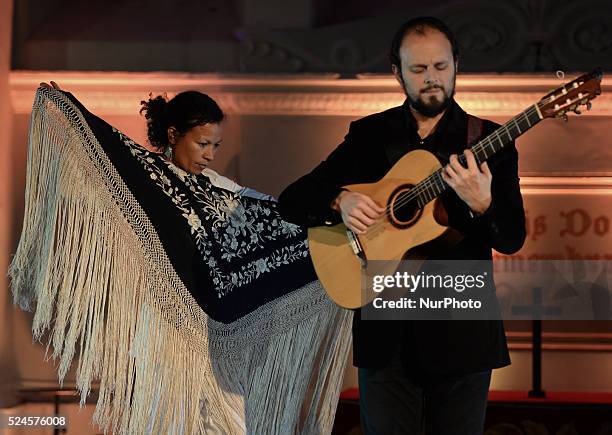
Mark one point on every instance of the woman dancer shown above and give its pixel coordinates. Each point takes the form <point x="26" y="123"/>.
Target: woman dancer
<point x="195" y="307"/>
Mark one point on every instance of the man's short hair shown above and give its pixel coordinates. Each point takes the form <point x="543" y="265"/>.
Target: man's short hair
<point x="419" y="25"/>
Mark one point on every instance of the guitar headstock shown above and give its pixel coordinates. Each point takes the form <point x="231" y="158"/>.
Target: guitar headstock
<point x="571" y="96"/>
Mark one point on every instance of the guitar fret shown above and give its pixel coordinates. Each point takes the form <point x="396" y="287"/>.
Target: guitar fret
<point x="440" y="185"/>
<point x="535" y="115"/>
<point x="500" y="141"/>
<point x="484" y="153"/>
<point x="517" y="126"/>
<point x="431" y="194"/>
<point x="419" y="198"/>
<point x="526" y="119"/>
<point x="431" y="189"/>
<point x="491" y="150"/>
<point x="490" y="146"/>
<point x="537" y="110"/>
<point x="427" y="195"/>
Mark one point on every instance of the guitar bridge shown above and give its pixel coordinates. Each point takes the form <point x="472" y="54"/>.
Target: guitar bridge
<point x="356" y="247"/>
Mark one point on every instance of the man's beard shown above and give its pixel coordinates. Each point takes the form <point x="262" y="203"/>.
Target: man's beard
<point x="433" y="106"/>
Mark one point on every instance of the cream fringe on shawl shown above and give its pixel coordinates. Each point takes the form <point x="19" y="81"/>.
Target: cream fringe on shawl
<point x="91" y="264"/>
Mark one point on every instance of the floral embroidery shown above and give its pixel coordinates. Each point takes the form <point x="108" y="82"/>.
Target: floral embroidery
<point x="193" y="220"/>
<point x="238" y="227"/>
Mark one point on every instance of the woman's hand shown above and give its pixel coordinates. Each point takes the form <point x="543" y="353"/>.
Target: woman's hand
<point x="53" y="85"/>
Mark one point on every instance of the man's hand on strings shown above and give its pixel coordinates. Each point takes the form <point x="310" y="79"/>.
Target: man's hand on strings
<point x="358" y="211"/>
<point x="53" y="85"/>
<point x="472" y="184"/>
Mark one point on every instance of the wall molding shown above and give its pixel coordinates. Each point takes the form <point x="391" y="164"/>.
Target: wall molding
<point x="567" y="184"/>
<point x="563" y="341"/>
<point x="120" y="93"/>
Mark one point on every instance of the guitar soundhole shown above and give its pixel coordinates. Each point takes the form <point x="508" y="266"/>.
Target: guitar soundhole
<point x="404" y="210"/>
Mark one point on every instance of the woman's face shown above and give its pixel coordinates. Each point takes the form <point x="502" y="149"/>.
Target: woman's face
<point x="193" y="151"/>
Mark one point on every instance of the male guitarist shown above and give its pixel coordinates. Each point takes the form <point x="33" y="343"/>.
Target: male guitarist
<point x="422" y="375"/>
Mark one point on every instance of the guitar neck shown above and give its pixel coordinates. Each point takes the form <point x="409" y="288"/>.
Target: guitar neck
<point x="433" y="186"/>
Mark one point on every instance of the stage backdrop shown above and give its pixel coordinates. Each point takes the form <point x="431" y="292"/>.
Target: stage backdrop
<point x="279" y="127"/>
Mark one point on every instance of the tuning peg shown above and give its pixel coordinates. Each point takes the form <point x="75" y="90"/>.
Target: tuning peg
<point x="589" y="105"/>
<point x="564" y="116"/>
<point x="577" y="111"/>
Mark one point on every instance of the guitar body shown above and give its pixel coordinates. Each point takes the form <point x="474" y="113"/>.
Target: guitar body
<point x="337" y="265"/>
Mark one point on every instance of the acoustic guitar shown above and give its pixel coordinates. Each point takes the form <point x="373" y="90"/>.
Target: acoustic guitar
<point x="410" y="191"/>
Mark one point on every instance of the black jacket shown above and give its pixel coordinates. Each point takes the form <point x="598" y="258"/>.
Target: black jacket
<point x="371" y="147"/>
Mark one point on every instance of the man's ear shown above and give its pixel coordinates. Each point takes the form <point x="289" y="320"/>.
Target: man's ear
<point x="171" y="135"/>
<point x="398" y="75"/>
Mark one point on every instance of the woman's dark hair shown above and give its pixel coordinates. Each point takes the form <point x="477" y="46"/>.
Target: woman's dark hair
<point x="183" y="112"/>
<point x="418" y="25"/>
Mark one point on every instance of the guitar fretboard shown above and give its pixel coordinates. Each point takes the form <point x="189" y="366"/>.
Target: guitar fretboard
<point x="432" y="186"/>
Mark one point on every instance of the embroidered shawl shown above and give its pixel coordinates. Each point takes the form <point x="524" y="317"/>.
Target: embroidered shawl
<point x="197" y="309"/>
